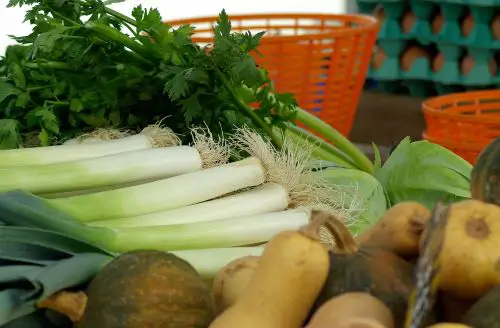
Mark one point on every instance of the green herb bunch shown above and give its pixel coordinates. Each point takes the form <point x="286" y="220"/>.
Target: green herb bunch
<point x="77" y="71"/>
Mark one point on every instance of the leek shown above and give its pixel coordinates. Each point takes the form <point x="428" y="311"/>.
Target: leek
<point x="154" y="163"/>
<point x="151" y="137"/>
<point x="208" y="262"/>
<point x="162" y="195"/>
<point x="270" y="197"/>
<point x="20" y="208"/>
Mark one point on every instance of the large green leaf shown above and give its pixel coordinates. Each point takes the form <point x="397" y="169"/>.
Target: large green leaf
<point x="363" y="191"/>
<point x="424" y="172"/>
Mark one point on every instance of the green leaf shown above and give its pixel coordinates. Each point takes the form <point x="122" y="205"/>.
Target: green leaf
<point x="424" y="172"/>
<point x="191" y="108"/>
<point x="10" y="136"/>
<point x="17" y="75"/>
<point x="44" y="138"/>
<point x="115" y="118"/>
<point x="362" y="190"/>
<point x="7" y="90"/>
<point x="76" y="105"/>
<point x="48" y="120"/>
<point x="23" y="99"/>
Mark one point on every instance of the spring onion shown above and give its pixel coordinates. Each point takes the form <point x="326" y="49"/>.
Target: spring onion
<point x="153" y="163"/>
<point x="270" y="197"/>
<point x="162" y="195"/>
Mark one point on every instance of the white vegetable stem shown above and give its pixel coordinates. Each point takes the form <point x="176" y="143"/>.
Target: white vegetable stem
<point x="270" y="197"/>
<point x="208" y="262"/>
<point x="162" y="195"/>
<point x="68" y="153"/>
<point x="153" y="163"/>
<point x="241" y="231"/>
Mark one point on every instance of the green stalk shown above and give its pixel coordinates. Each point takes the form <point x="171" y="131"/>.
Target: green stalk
<point x="123" y="39"/>
<point x="324" y="150"/>
<point x="336" y="138"/>
<point x="249" y="111"/>
<point x="49" y="65"/>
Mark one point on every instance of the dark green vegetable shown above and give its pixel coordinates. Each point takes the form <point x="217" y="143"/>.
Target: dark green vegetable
<point x="35" y="264"/>
<point x="148" y="289"/>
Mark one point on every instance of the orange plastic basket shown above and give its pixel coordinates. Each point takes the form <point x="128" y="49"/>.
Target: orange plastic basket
<point x="463" y="122"/>
<point x="321" y="59"/>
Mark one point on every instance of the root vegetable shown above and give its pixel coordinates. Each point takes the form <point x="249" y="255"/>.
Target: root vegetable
<point x="346" y="309"/>
<point x="471" y="250"/>
<point x="484" y="313"/>
<point x="411" y="55"/>
<point x="230" y="282"/>
<point x="368" y="269"/>
<point x="399" y="230"/>
<point x="291" y="272"/>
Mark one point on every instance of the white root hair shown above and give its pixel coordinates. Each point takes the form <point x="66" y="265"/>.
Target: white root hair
<point x="292" y="167"/>
<point x="213" y="152"/>
<point x="161" y="136"/>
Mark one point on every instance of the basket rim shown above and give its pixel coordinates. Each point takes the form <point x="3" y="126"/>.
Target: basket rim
<point x="368" y="24"/>
<point x="431" y="107"/>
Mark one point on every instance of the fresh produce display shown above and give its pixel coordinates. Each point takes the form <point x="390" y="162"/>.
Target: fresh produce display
<point x="168" y="186"/>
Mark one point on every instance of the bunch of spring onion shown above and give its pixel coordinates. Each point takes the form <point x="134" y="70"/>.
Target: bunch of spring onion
<point x="146" y="191"/>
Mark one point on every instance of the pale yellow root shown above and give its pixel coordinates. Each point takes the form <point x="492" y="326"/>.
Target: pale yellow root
<point x="213" y="152"/>
<point x="292" y="167"/>
<point x="161" y="136"/>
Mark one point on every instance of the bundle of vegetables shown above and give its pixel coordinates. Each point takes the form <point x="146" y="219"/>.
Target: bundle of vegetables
<point x="78" y="71"/>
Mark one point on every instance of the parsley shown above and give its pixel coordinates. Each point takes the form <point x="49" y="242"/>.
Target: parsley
<point x="77" y="71"/>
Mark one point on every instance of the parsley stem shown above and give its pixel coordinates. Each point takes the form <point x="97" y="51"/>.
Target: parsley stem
<point x="249" y="111"/>
<point x="49" y="65"/>
<point x="121" y="38"/>
<point x="337" y="139"/>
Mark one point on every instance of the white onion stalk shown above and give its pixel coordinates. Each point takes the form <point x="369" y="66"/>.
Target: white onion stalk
<point x="208" y="262"/>
<point x="270" y="197"/>
<point x="150" y="137"/>
<point x="153" y="163"/>
<point x="240" y="231"/>
<point x="182" y="190"/>
<point x="80" y="192"/>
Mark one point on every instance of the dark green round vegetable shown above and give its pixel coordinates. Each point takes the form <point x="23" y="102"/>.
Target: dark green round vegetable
<point x="148" y="289"/>
<point x="485" y="176"/>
